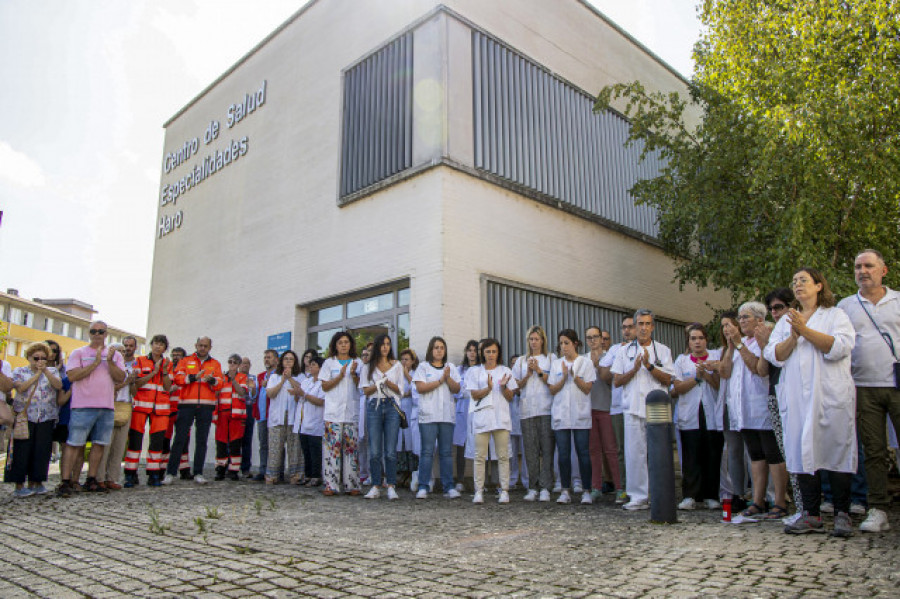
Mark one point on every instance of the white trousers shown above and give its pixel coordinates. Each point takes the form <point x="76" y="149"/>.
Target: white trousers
<point x="637" y="482"/>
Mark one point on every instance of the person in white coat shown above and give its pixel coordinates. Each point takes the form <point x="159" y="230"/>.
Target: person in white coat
<point x="817" y="399"/>
<point x="699" y="421"/>
<point x="461" y="427"/>
<point x="642" y="366"/>
<point x="437" y="382"/>
<point x="491" y="386"/>
<point x="340" y="442"/>
<point x="408" y="442"/>
<point x="570" y="381"/>
<point x="283" y="392"/>
<point x="309" y="422"/>
<point x="748" y="410"/>
<point x="616" y="409"/>
<point x="531" y="372"/>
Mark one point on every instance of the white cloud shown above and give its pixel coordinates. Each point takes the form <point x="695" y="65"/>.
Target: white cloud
<point x="19" y="168"/>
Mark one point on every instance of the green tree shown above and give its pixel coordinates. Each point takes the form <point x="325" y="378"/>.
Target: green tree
<point x="796" y="158"/>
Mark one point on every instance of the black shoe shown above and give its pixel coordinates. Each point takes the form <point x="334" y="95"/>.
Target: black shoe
<point x="92" y="486"/>
<point x="607" y="488"/>
<point x="186" y="475"/>
<point x="131" y="479"/>
<point x="154" y="480"/>
<point x="64" y="489"/>
<point x="232" y="475"/>
<point x="259" y="478"/>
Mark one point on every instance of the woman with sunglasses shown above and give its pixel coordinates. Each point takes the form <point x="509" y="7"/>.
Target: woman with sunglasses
<point x="37" y="399"/>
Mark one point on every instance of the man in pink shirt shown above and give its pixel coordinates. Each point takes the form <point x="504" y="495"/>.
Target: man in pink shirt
<point x="93" y="371"/>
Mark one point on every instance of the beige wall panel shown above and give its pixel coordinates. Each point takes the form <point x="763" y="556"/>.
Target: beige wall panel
<point x="496" y="232"/>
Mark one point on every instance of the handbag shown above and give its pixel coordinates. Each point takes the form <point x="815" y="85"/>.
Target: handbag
<point x="123" y="413"/>
<point x="404" y="421"/>
<point x="20" y="426"/>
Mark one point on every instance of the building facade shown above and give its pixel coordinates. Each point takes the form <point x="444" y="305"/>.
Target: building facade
<point x="65" y="321"/>
<point x="417" y="168"/>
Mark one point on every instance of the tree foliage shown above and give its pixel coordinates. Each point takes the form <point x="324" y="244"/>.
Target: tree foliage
<point x="796" y="159"/>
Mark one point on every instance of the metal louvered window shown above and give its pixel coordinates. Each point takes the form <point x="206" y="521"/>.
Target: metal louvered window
<point x="512" y="310"/>
<point x="376" y="131"/>
<point x="536" y="130"/>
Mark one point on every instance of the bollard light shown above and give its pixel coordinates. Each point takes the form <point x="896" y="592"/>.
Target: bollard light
<point x="660" y="465"/>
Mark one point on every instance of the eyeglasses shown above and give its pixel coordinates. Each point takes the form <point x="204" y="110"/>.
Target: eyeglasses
<point x="233" y="362"/>
<point x="745" y="317"/>
<point x="39" y="358"/>
<point x="98" y="331"/>
<point x="776" y="307"/>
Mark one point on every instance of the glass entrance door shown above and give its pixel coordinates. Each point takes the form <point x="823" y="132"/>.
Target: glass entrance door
<point x="366" y="333"/>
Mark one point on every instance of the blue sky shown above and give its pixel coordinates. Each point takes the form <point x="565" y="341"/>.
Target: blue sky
<point x="87" y="85"/>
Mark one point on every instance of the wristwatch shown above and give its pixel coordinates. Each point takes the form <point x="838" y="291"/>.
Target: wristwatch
<point x="651" y="368"/>
<point x="698" y="380"/>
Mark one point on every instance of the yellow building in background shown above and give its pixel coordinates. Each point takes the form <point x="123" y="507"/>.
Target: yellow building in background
<point x="65" y="321"/>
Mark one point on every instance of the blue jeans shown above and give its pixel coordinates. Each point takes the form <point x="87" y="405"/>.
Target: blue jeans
<point x="442" y="432"/>
<point x="382" y="428"/>
<point x="582" y="449"/>
<point x="247" y="446"/>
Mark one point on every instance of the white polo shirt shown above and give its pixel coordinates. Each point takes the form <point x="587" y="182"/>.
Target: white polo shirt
<point x="871" y="362"/>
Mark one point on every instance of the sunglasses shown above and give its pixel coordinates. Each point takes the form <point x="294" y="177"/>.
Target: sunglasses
<point x="775" y="307"/>
<point x="233" y="362"/>
<point x="98" y="331"/>
<point x="39" y="358"/>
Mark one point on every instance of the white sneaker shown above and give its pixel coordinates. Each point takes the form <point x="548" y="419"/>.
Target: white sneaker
<point x="168" y="479"/>
<point x="479" y="497"/>
<point x="826" y="508"/>
<point x="198" y="478"/>
<point x="557" y="488"/>
<point x="633" y="506"/>
<point x="460" y="487"/>
<point x="414" y="481"/>
<point x="712" y="504"/>
<point x="374" y="493"/>
<point x="452" y="494"/>
<point x="504" y="497"/>
<point x="564" y="497"/>
<point x="857" y="509"/>
<point x="792" y="518"/>
<point x="544" y="496"/>
<point x="876" y="522"/>
<point x="577" y="488"/>
<point x="392" y="493"/>
<point x="531" y="495"/>
<point x="586" y="499"/>
<point x="687" y="503"/>
<point x="422" y="494"/>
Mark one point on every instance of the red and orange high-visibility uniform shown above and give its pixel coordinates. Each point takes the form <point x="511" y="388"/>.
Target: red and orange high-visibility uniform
<point x="229" y="401"/>
<point x="188" y="374"/>
<point x="152" y="396"/>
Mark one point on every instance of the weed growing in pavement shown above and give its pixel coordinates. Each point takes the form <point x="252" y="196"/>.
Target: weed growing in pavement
<point x="213" y="513"/>
<point x="201" y="525"/>
<point x="157" y="527"/>
<point x="258" y="505"/>
<point x="271" y="503"/>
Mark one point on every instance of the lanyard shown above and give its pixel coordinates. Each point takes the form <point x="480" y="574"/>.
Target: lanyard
<point x="884" y="334"/>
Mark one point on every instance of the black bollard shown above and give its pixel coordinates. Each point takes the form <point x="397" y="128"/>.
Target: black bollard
<point x="660" y="467"/>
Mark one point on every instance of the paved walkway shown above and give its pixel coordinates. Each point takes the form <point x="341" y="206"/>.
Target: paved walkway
<point x="284" y="541"/>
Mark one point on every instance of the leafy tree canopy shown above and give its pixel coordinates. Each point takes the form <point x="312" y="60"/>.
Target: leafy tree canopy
<point x="796" y="159"/>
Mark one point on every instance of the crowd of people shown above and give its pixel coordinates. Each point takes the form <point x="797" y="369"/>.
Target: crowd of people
<point x="799" y="398"/>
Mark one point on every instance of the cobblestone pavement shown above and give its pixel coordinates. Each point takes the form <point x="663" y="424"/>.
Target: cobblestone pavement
<point x="285" y="541"/>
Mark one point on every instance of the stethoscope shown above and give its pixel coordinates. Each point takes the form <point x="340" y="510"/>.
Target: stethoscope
<point x="656" y="361"/>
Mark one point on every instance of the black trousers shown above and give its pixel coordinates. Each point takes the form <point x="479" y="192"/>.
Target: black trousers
<point x="701" y="454"/>
<point x="247" y="444"/>
<point x="31" y="456"/>
<point x="312" y="455"/>
<point x="811" y="490"/>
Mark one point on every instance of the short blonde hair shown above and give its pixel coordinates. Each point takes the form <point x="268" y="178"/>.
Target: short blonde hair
<point x="35" y="348"/>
